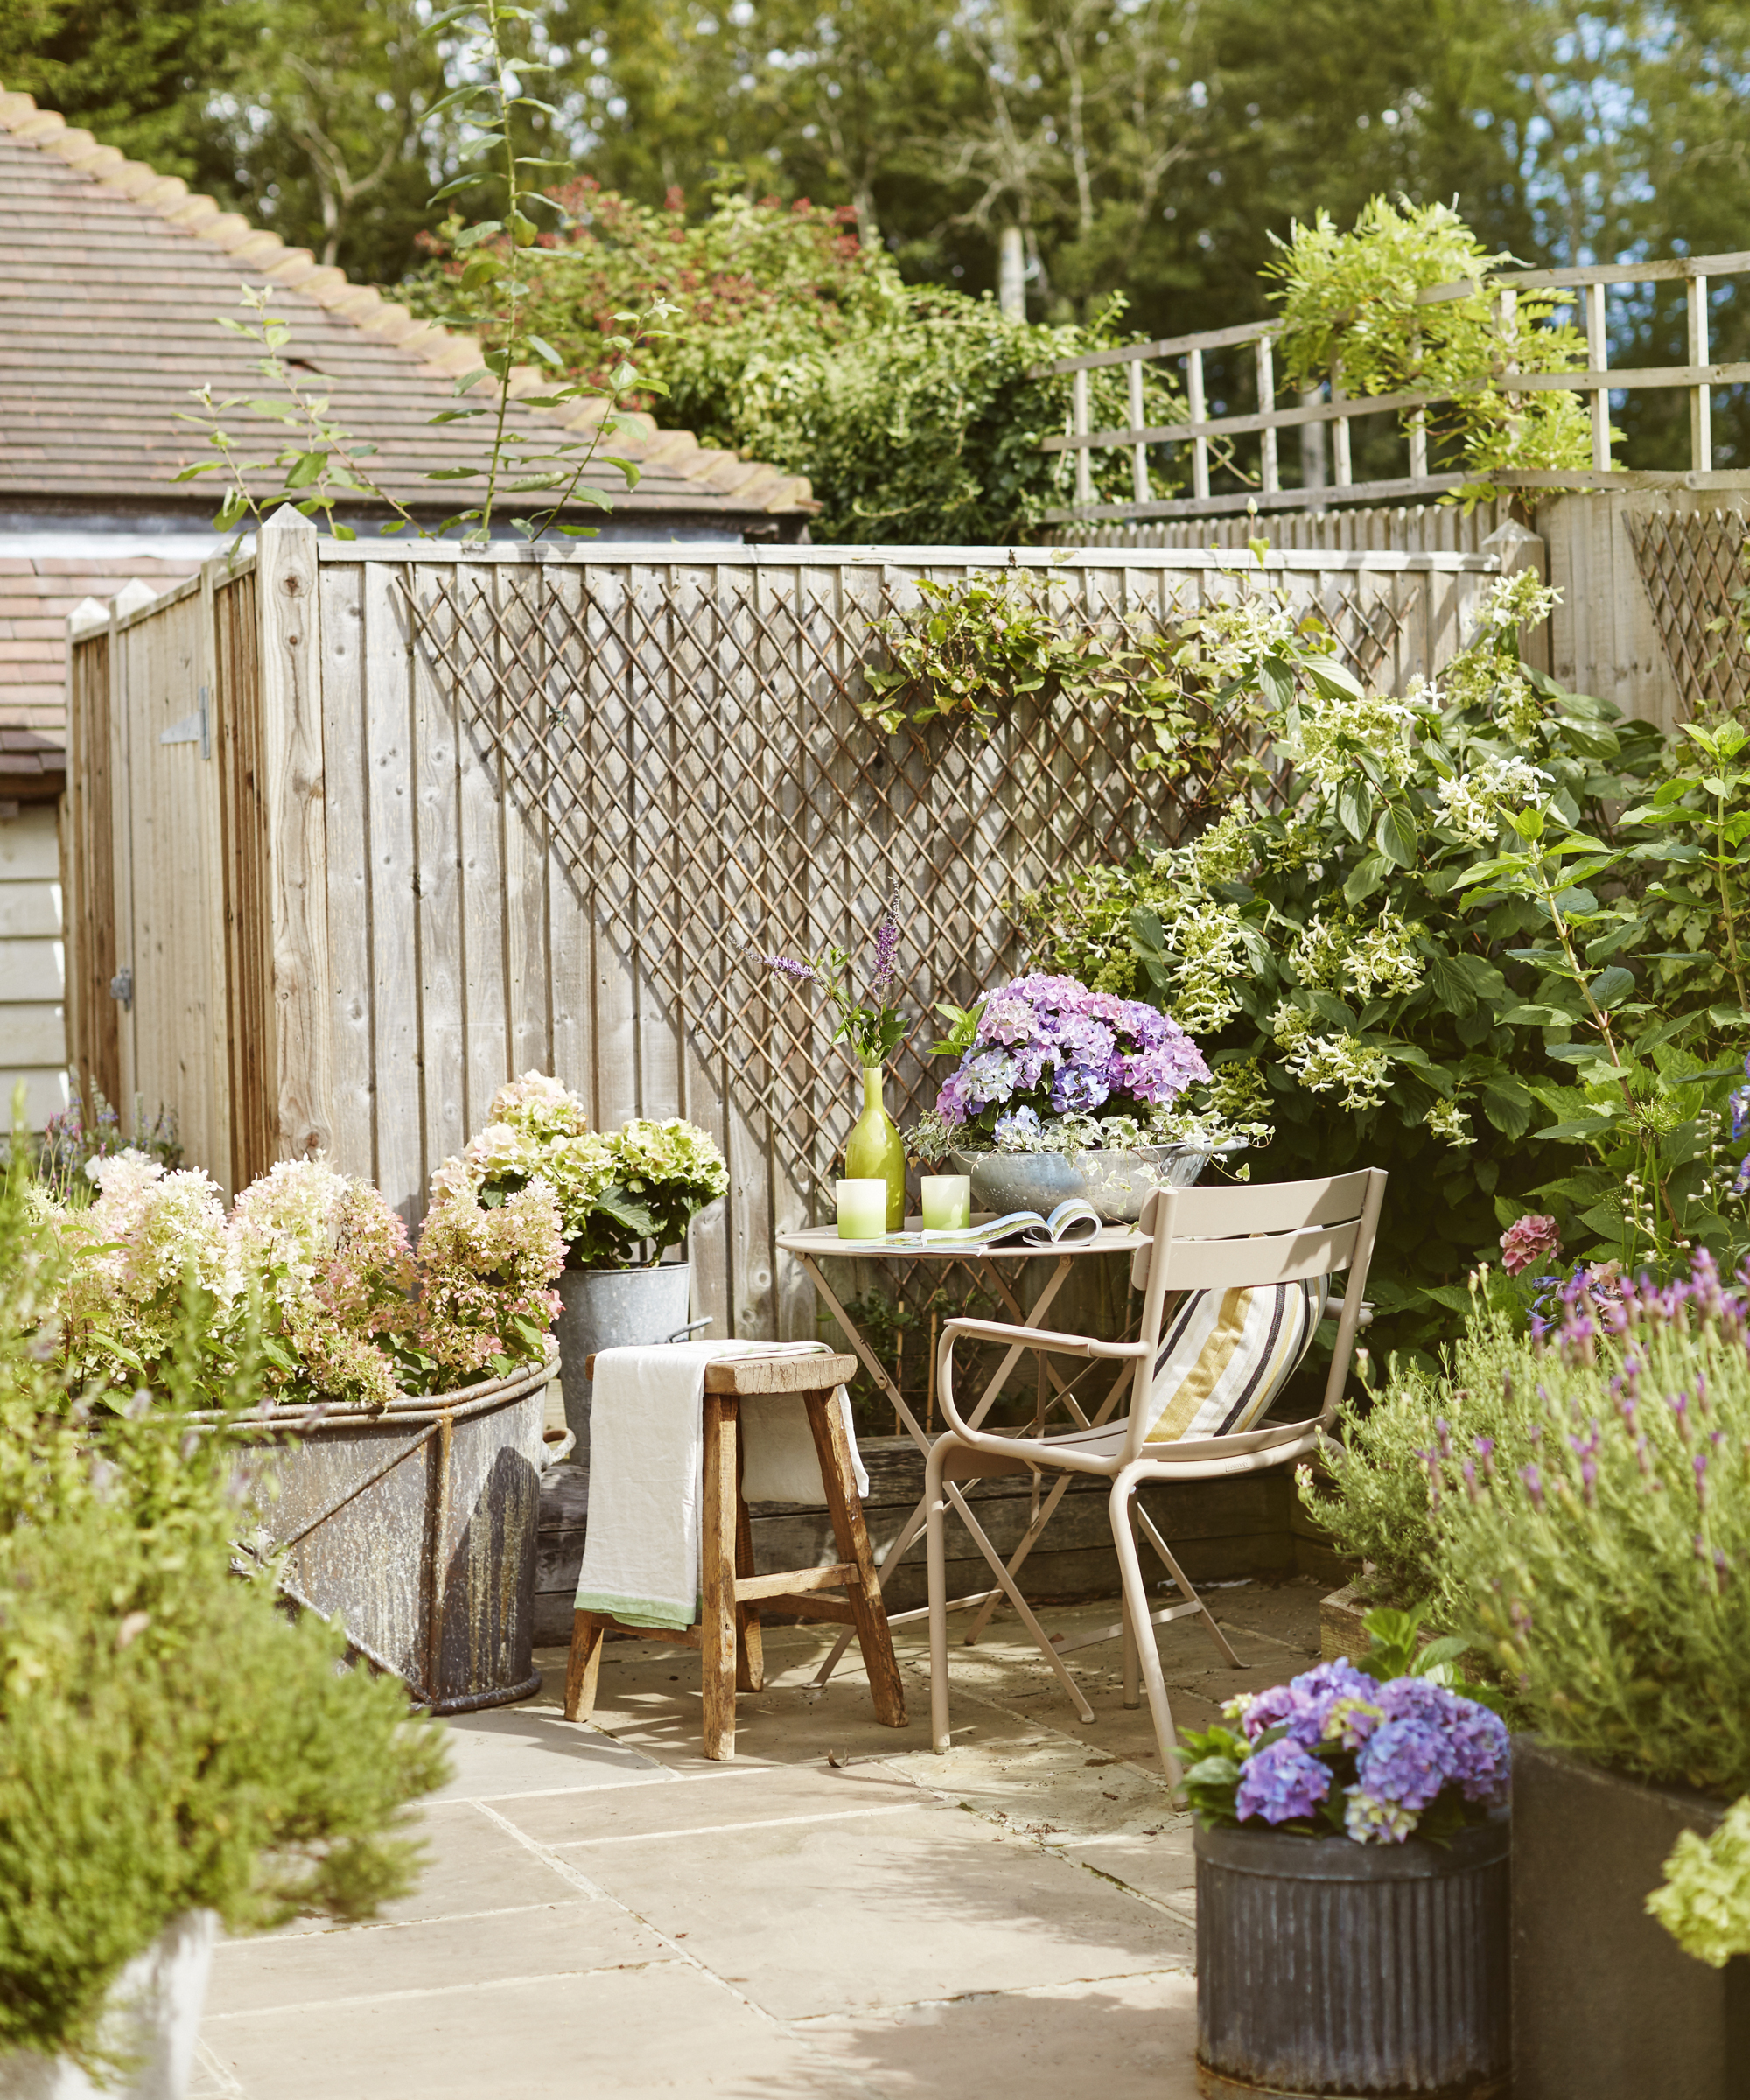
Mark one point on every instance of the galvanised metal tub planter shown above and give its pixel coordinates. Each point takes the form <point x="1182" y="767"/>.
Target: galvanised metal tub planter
<point x="417" y="1524"/>
<point x="615" y="1309"/>
<point x="1352" y="1971"/>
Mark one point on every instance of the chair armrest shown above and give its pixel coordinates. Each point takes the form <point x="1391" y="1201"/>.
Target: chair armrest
<point x="1042" y="1338"/>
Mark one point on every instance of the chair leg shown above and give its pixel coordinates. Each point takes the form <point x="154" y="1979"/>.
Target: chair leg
<point x="1190" y="1595"/>
<point x="582" y="1667"/>
<point x="1132" y="1695"/>
<point x="935" y="1510"/>
<point x="1136" y="1615"/>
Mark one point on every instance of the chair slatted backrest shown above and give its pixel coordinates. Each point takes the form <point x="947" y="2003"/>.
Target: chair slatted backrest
<point x="1233" y="1238"/>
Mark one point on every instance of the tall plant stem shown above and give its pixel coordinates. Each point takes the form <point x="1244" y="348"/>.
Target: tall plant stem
<point x="1726" y="911"/>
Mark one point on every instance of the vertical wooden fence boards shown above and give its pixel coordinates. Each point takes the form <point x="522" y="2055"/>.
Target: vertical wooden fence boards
<point x="93" y="1030"/>
<point x="480" y="812"/>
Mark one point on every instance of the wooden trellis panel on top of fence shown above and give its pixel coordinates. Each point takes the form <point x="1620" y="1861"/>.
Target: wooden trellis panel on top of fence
<point x="475" y="813"/>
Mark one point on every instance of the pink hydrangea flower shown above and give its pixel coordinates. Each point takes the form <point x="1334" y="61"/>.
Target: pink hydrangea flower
<point x="1532" y="1240"/>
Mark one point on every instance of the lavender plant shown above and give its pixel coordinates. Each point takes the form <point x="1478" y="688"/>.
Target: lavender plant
<point x="1572" y="1500"/>
<point x="1337" y="1752"/>
<point x="873" y="1026"/>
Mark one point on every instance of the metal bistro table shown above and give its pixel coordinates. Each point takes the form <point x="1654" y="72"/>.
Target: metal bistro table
<point x="822" y="1242"/>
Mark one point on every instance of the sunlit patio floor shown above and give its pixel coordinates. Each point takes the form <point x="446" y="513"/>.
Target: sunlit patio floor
<point x="837" y="1912"/>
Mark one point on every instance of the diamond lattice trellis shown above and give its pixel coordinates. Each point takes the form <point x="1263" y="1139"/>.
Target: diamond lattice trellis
<point x="1691" y="562"/>
<point x="694" y="756"/>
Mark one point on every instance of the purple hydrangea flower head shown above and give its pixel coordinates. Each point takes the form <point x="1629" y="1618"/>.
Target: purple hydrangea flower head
<point x="1305" y="1702"/>
<point x="1073" y="1051"/>
<point x="1350" y="1723"/>
<point x="1017" y="1127"/>
<point x="1407" y="1761"/>
<point x="1281" y="1783"/>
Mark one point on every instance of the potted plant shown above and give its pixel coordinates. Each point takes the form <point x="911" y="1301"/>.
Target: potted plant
<point x="1060" y="1091"/>
<point x="874" y="1150"/>
<point x="1352" y="1881"/>
<point x="175" y="1752"/>
<point x="308" y="1287"/>
<point x="1571" y="1500"/>
<point x="623" y="1199"/>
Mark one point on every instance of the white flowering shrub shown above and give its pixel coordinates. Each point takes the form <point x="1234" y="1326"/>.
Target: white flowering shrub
<point x="1453" y="943"/>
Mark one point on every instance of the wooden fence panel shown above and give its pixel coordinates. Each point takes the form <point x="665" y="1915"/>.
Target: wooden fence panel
<point x="482" y="812"/>
<point x="93" y="1032"/>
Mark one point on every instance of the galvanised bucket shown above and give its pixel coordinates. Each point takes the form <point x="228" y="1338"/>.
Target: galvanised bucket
<point x="614" y="1309"/>
<point x="1352" y="1971"/>
<point x="417" y="1524"/>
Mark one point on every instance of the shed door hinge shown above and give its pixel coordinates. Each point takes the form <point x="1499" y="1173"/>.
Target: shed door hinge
<point x="121" y="985"/>
<point x="193" y="728"/>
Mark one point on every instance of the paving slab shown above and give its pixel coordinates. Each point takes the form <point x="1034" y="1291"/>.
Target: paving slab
<point x="922" y="1904"/>
<point x="622" y="2035"/>
<point x="531" y="1749"/>
<point x="566" y="1937"/>
<point x="732" y="1797"/>
<point x="1046" y="1785"/>
<point x="1129" y="2038"/>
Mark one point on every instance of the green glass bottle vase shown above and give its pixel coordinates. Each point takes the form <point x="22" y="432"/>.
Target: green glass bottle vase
<point x="876" y="1151"/>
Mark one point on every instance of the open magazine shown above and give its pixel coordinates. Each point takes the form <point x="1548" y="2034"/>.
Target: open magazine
<point x="1072" y="1221"/>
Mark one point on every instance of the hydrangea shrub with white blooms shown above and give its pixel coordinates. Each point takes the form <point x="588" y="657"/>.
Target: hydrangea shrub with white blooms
<point x="1429" y="928"/>
<point x="617" y="1191"/>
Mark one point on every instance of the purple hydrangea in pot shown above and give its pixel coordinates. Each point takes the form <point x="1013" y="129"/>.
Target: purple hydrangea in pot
<point x="1354" y="1821"/>
<point x="1060" y="1091"/>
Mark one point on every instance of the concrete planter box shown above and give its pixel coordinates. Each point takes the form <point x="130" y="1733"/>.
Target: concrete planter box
<point x="1606" y="2004"/>
<point x="1329" y="1967"/>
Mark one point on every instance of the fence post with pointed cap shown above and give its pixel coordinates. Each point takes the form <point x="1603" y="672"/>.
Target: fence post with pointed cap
<point x="286" y="577"/>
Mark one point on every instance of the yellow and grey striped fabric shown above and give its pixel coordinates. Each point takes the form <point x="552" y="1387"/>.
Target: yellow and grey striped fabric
<point x="1226" y="1354"/>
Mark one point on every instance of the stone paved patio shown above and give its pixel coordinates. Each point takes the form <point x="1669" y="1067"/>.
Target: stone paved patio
<point x="838" y="1914"/>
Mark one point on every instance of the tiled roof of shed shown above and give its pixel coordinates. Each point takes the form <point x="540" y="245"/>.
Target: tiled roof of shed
<point x="111" y="280"/>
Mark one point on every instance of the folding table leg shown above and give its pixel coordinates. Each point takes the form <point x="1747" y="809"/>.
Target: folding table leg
<point x="582" y="1667"/>
<point x="717" y="1619"/>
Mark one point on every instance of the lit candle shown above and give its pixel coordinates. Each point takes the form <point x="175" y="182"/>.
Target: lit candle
<point x="861" y="1209"/>
<point x="948" y="1201"/>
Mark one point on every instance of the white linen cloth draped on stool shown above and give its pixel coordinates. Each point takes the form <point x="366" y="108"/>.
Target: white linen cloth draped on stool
<point x="647" y="1461"/>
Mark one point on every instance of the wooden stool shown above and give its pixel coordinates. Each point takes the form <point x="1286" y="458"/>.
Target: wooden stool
<point x="727" y="1636"/>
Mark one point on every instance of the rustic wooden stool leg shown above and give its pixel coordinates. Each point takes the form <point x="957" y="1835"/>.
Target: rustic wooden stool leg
<point x="750" y="1648"/>
<point x="717" y="1617"/>
<point x="582" y="1667"/>
<point x="838" y="1478"/>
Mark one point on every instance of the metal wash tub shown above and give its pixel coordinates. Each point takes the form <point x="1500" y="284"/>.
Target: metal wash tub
<point x="417" y="1523"/>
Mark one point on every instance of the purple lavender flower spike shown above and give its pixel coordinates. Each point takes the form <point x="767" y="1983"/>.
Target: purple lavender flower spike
<point x="887" y="947"/>
<point x="1281" y="1783"/>
<point x="1533" y="1486"/>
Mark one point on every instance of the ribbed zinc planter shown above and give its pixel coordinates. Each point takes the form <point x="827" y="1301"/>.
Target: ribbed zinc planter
<point x="614" y="1309"/>
<point x="1352" y="1971"/>
<point x="418" y="1524"/>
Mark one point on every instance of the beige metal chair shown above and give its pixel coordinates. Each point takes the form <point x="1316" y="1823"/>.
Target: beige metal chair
<point x="1199" y="1239"/>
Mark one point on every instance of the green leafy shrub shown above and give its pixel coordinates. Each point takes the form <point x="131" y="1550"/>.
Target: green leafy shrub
<point x="168" y="1738"/>
<point x="1573" y="1501"/>
<point x="1349" y="302"/>
<point x="910" y="409"/>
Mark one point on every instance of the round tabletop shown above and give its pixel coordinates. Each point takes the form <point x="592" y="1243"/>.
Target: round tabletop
<point x="820" y="1240"/>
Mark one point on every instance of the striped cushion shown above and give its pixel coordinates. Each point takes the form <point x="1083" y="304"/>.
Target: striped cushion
<point x="1226" y="1354"/>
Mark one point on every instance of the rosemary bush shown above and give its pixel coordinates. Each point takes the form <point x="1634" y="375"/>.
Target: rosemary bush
<point x="1574" y="1500"/>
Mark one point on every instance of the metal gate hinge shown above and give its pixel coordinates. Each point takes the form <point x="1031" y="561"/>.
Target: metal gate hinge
<point x="121" y="985"/>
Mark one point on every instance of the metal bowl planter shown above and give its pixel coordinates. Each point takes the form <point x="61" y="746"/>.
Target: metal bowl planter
<point x="1356" y="1971"/>
<point x="1118" y="1184"/>
<point x="417" y="1524"/>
